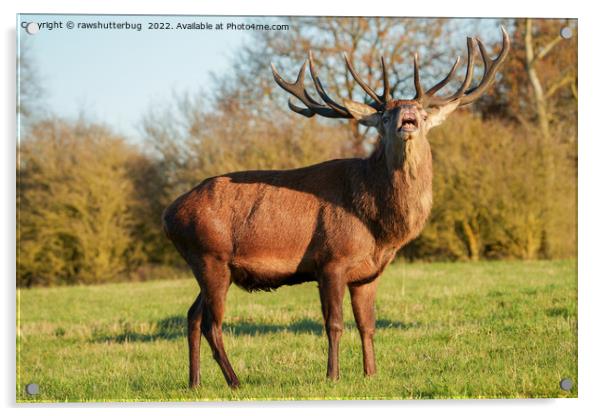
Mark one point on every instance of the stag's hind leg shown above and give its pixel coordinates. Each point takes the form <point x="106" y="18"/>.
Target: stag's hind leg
<point x="217" y="282"/>
<point x="195" y="314"/>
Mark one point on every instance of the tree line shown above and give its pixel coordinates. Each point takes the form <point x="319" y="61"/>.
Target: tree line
<point x="505" y="170"/>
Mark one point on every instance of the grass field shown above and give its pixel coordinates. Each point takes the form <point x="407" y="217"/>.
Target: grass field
<point x="463" y="330"/>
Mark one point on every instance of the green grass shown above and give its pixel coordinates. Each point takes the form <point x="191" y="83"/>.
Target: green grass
<point x="497" y="329"/>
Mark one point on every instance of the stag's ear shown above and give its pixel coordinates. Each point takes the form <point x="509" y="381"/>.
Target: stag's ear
<point x="438" y="115"/>
<point x="363" y="113"/>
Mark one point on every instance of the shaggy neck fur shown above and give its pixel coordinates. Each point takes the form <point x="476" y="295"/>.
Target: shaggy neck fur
<point x="395" y="196"/>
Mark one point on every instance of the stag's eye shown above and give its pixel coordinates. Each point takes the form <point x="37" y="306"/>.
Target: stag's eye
<point x="386" y="119"/>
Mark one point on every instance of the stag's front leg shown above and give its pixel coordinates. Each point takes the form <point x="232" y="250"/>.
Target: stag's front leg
<point x="362" y="302"/>
<point x="332" y="290"/>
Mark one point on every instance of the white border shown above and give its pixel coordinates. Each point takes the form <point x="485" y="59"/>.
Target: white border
<point x="590" y="207"/>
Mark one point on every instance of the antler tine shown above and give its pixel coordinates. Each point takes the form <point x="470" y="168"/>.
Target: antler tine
<point x="297" y="89"/>
<point x="470" y="42"/>
<point x="321" y="92"/>
<point x="300" y="110"/>
<point x="445" y="80"/>
<point x="386" y="95"/>
<point x="377" y="99"/>
<point x="419" y="92"/>
<point x="487" y="61"/>
<point x="491" y="68"/>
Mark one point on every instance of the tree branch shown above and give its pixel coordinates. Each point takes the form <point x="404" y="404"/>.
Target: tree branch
<point x="546" y="49"/>
<point x="559" y="84"/>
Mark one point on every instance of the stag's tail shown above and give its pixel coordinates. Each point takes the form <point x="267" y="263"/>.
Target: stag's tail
<point x="167" y="220"/>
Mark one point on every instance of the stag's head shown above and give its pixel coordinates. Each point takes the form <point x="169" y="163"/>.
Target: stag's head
<point x="398" y="121"/>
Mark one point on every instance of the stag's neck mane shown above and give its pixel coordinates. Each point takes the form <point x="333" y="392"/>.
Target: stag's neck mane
<point x="394" y="193"/>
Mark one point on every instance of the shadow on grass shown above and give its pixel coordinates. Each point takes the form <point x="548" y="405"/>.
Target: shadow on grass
<point x="558" y="312"/>
<point x="174" y="327"/>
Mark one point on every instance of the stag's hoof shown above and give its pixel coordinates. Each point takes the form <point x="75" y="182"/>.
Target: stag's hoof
<point x="370" y="371"/>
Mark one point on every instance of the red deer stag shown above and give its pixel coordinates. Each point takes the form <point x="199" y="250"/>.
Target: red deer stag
<point x="338" y="223"/>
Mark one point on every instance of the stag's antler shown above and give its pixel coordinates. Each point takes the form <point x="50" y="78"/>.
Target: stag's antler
<point x="332" y="109"/>
<point x="463" y="94"/>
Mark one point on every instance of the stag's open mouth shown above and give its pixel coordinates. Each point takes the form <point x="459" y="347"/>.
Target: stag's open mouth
<point x="409" y="122"/>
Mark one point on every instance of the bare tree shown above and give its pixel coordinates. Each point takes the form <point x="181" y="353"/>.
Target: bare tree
<point x="534" y="55"/>
<point x="29" y="88"/>
<point x="542" y="96"/>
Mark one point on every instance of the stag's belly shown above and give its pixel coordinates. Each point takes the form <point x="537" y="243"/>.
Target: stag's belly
<point x="268" y="273"/>
<point x="271" y="273"/>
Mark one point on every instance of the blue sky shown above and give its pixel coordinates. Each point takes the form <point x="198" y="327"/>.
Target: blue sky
<point x="114" y="76"/>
